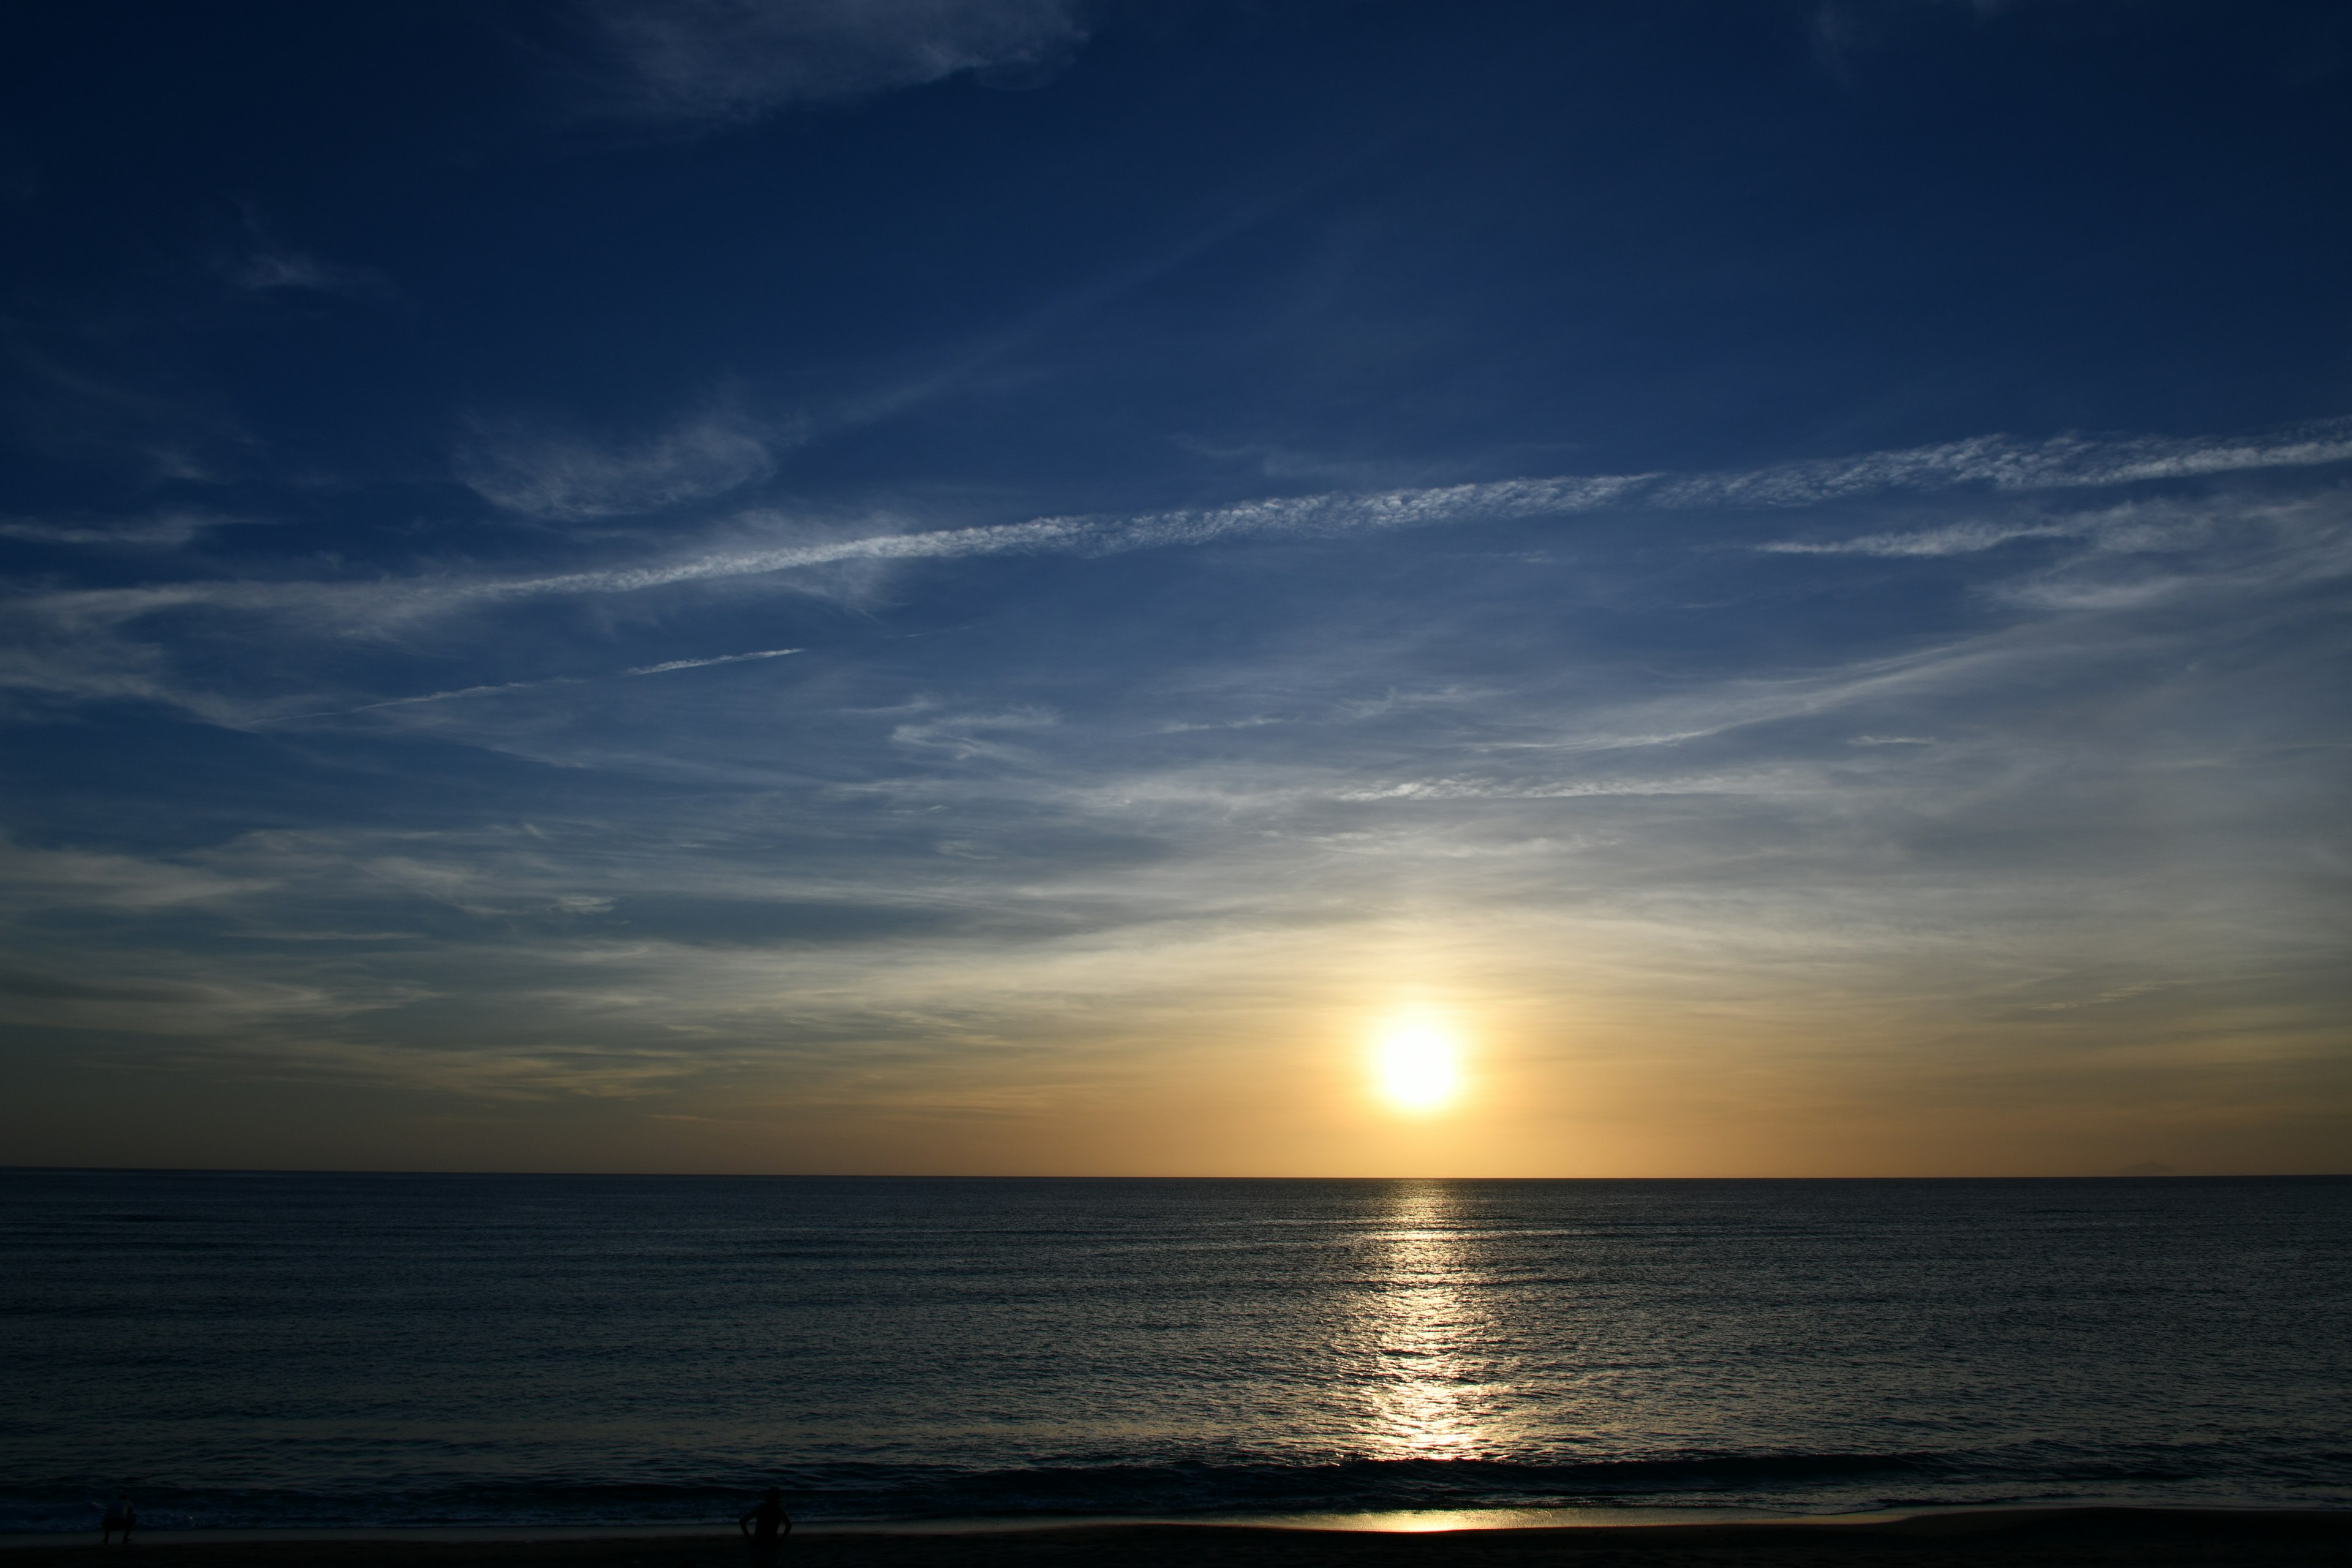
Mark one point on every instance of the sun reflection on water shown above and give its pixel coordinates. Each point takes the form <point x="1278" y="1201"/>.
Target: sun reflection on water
<point x="1422" y="1336"/>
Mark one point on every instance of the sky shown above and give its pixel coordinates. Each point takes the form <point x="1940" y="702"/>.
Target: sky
<point x="1029" y="586"/>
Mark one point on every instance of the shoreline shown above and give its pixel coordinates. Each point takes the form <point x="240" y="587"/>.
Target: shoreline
<point x="1932" y="1522"/>
<point x="1372" y="1522"/>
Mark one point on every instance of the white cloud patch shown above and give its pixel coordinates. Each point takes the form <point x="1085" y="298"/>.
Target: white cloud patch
<point x="1445" y="789"/>
<point x="459" y="692"/>
<point x="737" y="59"/>
<point x="1960" y="539"/>
<point x="269" y="271"/>
<point x="562" y="477"/>
<point x="44" y="879"/>
<point x="2139" y="527"/>
<point x="2070" y="461"/>
<point x="966" y="737"/>
<point x="158" y="531"/>
<point x="665" y="667"/>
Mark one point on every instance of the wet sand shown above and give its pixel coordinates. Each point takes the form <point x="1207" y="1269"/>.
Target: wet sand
<point x="2051" y="1538"/>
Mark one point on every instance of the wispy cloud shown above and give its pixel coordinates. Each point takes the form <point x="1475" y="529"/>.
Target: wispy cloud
<point x="80" y="642"/>
<point x="560" y="476"/>
<point x="1840" y="29"/>
<point x="1955" y="539"/>
<point x="665" y="668"/>
<point x="563" y="478"/>
<point x="269" y="271"/>
<point x="738" y="59"/>
<point x="34" y="879"/>
<point x="2001" y="463"/>
<point x="458" y="693"/>
<point x="2006" y="463"/>
<point x="967" y="736"/>
<point x="501" y="687"/>
<point x="157" y="531"/>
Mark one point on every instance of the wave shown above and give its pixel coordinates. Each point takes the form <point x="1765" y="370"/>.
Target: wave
<point x="1794" y="1482"/>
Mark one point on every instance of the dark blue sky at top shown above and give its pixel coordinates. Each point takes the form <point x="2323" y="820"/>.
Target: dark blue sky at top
<point x="1457" y="240"/>
<point x="343" y="345"/>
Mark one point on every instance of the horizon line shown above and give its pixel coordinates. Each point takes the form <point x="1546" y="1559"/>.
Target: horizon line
<point x="1021" y="1176"/>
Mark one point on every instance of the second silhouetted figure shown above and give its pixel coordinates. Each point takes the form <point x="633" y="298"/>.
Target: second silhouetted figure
<point x="766" y="1524"/>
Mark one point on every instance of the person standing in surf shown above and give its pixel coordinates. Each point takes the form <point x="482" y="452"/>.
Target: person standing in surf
<point x="120" y="1515"/>
<point x="766" y="1525"/>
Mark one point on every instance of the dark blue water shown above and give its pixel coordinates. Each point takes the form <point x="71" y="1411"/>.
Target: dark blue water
<point x="245" y="1349"/>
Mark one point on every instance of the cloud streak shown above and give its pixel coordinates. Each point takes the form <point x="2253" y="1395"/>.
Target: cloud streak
<point x="501" y="687"/>
<point x="1997" y="462"/>
<point x="735" y="60"/>
<point x="273" y="271"/>
<point x="159" y="531"/>
<point x="569" y="484"/>
<point x="79" y="644"/>
<point x="664" y="669"/>
<point x="565" y="478"/>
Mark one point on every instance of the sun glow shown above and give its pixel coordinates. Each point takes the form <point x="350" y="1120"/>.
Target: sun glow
<point x="1419" y="1066"/>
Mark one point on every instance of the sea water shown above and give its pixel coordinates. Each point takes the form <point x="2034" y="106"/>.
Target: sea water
<point x="261" y="1350"/>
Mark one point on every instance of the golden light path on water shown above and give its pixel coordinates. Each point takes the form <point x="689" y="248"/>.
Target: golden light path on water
<point x="1431" y="1388"/>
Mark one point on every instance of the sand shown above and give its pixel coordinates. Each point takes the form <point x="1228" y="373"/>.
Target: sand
<point x="2050" y="1538"/>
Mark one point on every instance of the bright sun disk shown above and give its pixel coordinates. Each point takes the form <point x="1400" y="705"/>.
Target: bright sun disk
<point x="1420" y="1065"/>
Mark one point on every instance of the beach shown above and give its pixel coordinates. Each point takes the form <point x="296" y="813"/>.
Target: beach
<point x="2020" y="1537"/>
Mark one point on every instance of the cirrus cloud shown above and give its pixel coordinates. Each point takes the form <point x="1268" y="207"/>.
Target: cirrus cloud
<point x="735" y="60"/>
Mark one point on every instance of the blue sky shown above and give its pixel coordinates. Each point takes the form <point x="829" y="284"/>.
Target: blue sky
<point x="994" y="584"/>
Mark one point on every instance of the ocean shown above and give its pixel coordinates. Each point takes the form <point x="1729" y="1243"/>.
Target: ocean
<point x="260" y="1350"/>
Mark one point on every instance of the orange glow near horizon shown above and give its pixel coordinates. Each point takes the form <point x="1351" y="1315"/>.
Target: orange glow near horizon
<point x="1418" y="1065"/>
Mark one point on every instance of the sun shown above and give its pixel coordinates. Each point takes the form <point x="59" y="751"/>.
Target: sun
<point x="1418" y="1065"/>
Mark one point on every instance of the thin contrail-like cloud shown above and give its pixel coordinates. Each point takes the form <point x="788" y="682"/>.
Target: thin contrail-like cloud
<point x="1999" y="462"/>
<point x="456" y="692"/>
<point x="706" y="663"/>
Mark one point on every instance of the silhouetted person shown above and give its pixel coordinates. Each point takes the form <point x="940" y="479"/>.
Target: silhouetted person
<point x="120" y="1515"/>
<point x="766" y="1524"/>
